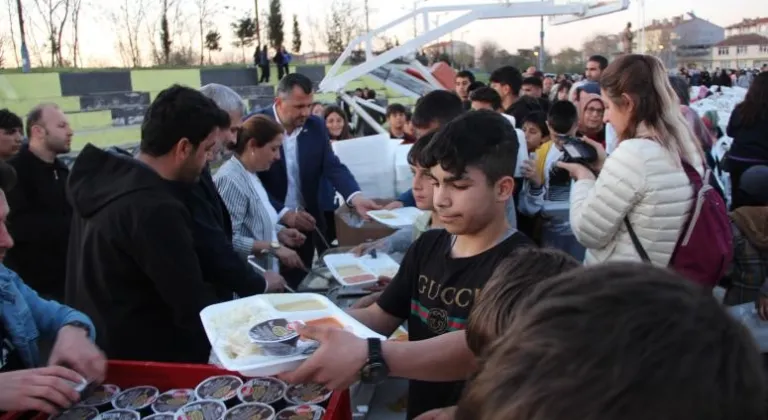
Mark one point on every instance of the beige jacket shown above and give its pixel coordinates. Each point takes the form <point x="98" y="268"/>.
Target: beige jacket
<point x="640" y="179"/>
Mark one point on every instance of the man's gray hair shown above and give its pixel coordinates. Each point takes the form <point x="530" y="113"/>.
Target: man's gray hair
<point x="226" y="98"/>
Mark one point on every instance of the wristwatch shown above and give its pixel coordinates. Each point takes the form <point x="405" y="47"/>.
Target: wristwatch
<point x="78" y="324"/>
<point x="375" y="370"/>
<point x="273" y="247"/>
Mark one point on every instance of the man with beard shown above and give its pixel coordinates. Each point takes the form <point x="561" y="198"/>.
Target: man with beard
<point x="41" y="213"/>
<point x="133" y="267"/>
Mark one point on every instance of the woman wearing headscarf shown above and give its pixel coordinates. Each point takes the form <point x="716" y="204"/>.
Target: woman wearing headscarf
<point x="591" y="111"/>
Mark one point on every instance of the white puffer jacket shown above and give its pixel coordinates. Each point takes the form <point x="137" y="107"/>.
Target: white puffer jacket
<point x="645" y="181"/>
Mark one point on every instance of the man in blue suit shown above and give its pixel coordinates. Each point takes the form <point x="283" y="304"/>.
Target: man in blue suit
<point x="293" y="182"/>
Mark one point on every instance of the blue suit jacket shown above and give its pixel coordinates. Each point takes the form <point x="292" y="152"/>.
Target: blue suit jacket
<point x="316" y="161"/>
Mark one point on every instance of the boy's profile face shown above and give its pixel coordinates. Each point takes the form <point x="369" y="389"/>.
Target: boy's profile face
<point x="422" y="188"/>
<point x="465" y="203"/>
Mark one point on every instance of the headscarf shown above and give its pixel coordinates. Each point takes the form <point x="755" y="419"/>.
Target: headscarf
<point x="594" y="134"/>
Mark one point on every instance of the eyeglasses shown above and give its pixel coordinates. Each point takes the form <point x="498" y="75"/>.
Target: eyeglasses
<point x="595" y="110"/>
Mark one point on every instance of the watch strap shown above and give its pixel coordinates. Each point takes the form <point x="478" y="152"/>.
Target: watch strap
<point x="374" y="351"/>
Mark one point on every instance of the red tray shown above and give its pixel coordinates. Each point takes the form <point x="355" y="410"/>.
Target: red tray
<point x="167" y="376"/>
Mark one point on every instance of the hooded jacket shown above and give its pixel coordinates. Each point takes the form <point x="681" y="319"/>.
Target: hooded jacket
<point x="132" y="266"/>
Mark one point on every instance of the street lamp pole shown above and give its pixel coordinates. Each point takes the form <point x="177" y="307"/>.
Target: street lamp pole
<point x="541" y="44"/>
<point x="258" y="24"/>
<point x="25" y="65"/>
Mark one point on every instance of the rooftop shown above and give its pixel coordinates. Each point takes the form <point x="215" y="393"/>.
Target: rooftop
<point x="743" y="39"/>
<point x="746" y="23"/>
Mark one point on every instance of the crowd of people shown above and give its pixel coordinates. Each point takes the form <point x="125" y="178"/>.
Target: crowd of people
<point x="535" y="285"/>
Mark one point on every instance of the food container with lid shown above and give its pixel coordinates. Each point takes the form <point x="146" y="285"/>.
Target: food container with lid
<point x="277" y="337"/>
<point x="303" y="412"/>
<point x="250" y="411"/>
<point x="303" y="394"/>
<point x="171" y="401"/>
<point x="202" y="410"/>
<point x="219" y="388"/>
<point x="119" y="414"/>
<point x="101" y="397"/>
<point x="265" y="390"/>
<point x="138" y="398"/>
<point x="76" y="413"/>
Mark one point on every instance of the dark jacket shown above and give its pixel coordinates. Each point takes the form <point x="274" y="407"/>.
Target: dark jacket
<point x="316" y="162"/>
<point x="212" y="233"/>
<point x="749" y="148"/>
<point x="39" y="223"/>
<point x="133" y="267"/>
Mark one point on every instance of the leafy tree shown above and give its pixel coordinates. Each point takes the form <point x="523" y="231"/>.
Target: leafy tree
<point x="212" y="42"/>
<point x="275" y="33"/>
<point x="296" y="35"/>
<point x="244" y="30"/>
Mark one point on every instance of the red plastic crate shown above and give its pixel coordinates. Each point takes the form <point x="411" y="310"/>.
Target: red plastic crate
<point x="167" y="376"/>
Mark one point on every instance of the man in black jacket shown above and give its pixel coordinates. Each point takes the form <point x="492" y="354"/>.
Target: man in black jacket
<point x="212" y="226"/>
<point x="41" y="213"/>
<point x="133" y="267"/>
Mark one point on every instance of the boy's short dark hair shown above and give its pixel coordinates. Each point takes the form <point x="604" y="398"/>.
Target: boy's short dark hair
<point x="534" y="81"/>
<point x="562" y="117"/>
<point x="10" y="121"/>
<point x="540" y="120"/>
<point x="481" y="139"/>
<point x="512" y="280"/>
<point x="439" y="106"/>
<point x="466" y="74"/>
<point x="414" y="154"/>
<point x="176" y="113"/>
<point x="475" y="85"/>
<point x="509" y="76"/>
<point x="601" y="61"/>
<point x="393" y="109"/>
<point x="486" y="95"/>
<point x="623" y="341"/>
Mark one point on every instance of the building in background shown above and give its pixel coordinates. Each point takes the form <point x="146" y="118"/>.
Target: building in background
<point x="748" y="26"/>
<point x="742" y="51"/>
<point x="461" y="53"/>
<point x="683" y="41"/>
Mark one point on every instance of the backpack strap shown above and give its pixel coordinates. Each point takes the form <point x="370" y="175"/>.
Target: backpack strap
<point x="701" y="186"/>
<point x="636" y="241"/>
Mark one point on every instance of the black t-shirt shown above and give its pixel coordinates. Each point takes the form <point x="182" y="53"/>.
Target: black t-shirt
<point x="435" y="293"/>
<point x="9" y="356"/>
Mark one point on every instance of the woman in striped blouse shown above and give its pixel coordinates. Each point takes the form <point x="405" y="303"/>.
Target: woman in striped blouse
<point x="255" y="226"/>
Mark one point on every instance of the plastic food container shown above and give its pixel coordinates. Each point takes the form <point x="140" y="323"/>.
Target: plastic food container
<point x="219" y="388"/>
<point x="138" y="398"/>
<point x="77" y="413"/>
<point x="307" y="394"/>
<point x="303" y="412"/>
<point x="162" y="416"/>
<point x="101" y="397"/>
<point x="119" y="414"/>
<point x="252" y="411"/>
<point x="277" y="337"/>
<point x="202" y="410"/>
<point x="264" y="390"/>
<point x="171" y="401"/>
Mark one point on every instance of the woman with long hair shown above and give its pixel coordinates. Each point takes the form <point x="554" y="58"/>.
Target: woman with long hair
<point x="255" y="227"/>
<point x="644" y="178"/>
<point x="336" y="122"/>
<point x="748" y="127"/>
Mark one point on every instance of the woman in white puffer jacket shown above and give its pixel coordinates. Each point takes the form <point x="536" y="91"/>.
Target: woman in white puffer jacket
<point x="643" y="178"/>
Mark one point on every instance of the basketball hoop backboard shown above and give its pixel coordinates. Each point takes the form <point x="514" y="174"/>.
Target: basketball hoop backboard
<point x="593" y="8"/>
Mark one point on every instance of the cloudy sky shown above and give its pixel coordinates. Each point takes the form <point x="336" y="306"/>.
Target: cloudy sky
<point x="98" y="36"/>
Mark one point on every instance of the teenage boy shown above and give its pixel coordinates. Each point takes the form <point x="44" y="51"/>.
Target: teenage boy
<point x="513" y="280"/>
<point x="442" y="273"/>
<point x="533" y="87"/>
<point x="649" y="346"/>
<point x="556" y="232"/>
<point x="464" y="79"/>
<point x="396" y="118"/>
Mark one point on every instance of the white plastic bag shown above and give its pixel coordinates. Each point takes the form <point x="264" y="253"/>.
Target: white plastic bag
<point x="747" y="315"/>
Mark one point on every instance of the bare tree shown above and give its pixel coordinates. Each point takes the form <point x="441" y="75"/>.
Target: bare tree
<point x="205" y="10"/>
<point x="12" y="24"/>
<point x="313" y="29"/>
<point x="75" y="18"/>
<point x="3" y="42"/>
<point x="55" y="14"/>
<point x="341" y="26"/>
<point x="128" y="20"/>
